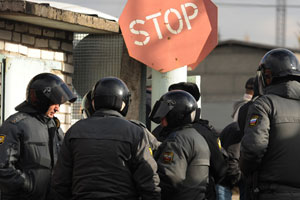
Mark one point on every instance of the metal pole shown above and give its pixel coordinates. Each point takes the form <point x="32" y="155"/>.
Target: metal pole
<point x="162" y="81"/>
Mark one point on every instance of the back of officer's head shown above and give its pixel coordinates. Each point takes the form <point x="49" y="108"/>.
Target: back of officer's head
<point x="189" y="87"/>
<point x="111" y="93"/>
<point x="278" y="65"/>
<point x="46" y="89"/>
<point x="177" y="106"/>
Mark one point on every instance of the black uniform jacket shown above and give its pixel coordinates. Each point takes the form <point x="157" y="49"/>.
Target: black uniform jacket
<point x="106" y="157"/>
<point x="29" y="144"/>
<point x="271" y="142"/>
<point x="231" y="137"/>
<point x="218" y="157"/>
<point x="183" y="165"/>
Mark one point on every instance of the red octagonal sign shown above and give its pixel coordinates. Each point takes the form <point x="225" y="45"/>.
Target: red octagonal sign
<point x="168" y="34"/>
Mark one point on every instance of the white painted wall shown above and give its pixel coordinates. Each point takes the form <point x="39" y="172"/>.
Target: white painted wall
<point x="18" y="72"/>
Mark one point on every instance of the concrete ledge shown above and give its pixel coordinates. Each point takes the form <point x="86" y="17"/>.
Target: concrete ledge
<point x="44" y="15"/>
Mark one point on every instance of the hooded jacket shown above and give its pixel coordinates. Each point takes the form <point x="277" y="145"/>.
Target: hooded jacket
<point x="29" y="146"/>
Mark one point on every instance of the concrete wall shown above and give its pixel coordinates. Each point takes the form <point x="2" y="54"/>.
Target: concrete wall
<point x="223" y="76"/>
<point x="23" y="40"/>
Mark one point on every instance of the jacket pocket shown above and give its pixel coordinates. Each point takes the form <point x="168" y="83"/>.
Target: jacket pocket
<point x="38" y="153"/>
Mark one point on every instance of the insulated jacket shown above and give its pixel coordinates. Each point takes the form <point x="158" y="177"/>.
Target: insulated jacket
<point x="29" y="146"/>
<point x="272" y="139"/>
<point x="106" y="157"/>
<point x="218" y="156"/>
<point x="183" y="165"/>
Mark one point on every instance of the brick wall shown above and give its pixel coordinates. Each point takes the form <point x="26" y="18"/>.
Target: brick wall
<point x="21" y="39"/>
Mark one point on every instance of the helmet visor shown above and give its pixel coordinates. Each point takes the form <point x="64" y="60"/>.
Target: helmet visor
<point x="60" y="94"/>
<point x="261" y="82"/>
<point x="160" y="110"/>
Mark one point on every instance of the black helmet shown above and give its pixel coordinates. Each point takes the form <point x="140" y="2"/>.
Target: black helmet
<point x="47" y="89"/>
<point x="278" y="63"/>
<point x="111" y="92"/>
<point x="87" y="108"/>
<point x="177" y="106"/>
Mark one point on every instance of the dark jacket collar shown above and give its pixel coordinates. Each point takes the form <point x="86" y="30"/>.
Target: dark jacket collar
<point x="289" y="89"/>
<point x="26" y="107"/>
<point x="106" y="112"/>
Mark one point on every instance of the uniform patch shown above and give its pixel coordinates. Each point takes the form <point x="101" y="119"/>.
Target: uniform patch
<point x="219" y="143"/>
<point x="168" y="157"/>
<point x="254" y="120"/>
<point x="2" y="138"/>
<point x="150" y="151"/>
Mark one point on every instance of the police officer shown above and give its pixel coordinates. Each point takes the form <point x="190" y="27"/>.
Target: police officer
<point x="218" y="161"/>
<point x="272" y="131"/>
<point x="183" y="157"/>
<point x="105" y="156"/>
<point x="31" y="138"/>
<point x="87" y="110"/>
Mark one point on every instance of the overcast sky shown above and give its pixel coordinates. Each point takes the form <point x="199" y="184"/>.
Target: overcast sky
<point x="235" y="21"/>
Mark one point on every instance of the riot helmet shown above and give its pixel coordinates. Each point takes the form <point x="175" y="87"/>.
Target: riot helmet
<point x="46" y="89"/>
<point x="111" y="93"/>
<point x="177" y="106"/>
<point x="277" y="64"/>
<point x="87" y="108"/>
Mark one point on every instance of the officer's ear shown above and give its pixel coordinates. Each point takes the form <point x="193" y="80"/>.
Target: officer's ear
<point x="123" y="105"/>
<point x="93" y="104"/>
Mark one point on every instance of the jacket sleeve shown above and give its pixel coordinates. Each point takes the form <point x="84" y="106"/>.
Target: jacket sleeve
<point x="231" y="137"/>
<point x="256" y="135"/>
<point x="145" y="171"/>
<point x="12" y="177"/>
<point x="62" y="175"/>
<point x="218" y="158"/>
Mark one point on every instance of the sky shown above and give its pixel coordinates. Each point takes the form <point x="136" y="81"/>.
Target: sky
<point x="252" y="20"/>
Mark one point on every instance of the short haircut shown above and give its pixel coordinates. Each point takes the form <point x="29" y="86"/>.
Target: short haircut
<point x="189" y="87"/>
<point x="250" y="83"/>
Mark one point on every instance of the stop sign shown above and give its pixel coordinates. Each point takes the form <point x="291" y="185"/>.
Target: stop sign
<point x="212" y="40"/>
<point x="168" y="34"/>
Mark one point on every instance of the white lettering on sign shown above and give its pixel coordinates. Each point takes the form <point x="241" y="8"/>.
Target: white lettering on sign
<point x="188" y="18"/>
<point x="156" y="25"/>
<point x="146" y="34"/>
<point x="166" y="22"/>
<point x="179" y="19"/>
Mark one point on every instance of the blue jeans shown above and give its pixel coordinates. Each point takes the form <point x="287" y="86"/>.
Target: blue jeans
<point x="223" y="193"/>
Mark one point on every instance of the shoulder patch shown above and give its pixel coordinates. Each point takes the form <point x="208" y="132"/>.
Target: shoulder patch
<point x="253" y="120"/>
<point x="2" y="138"/>
<point x="168" y="157"/>
<point x="18" y="118"/>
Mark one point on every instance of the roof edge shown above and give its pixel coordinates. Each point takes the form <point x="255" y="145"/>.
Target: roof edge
<point x="59" y="15"/>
